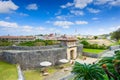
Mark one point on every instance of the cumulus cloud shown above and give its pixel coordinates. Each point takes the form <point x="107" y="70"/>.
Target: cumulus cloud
<point x="91" y="10"/>
<point x="7" y="6"/>
<point x="25" y="28"/>
<point x="67" y="5"/>
<point x="108" y="2"/>
<point x="81" y="22"/>
<point x="7" y="18"/>
<point x="77" y="12"/>
<point x="95" y="18"/>
<point x="99" y="2"/>
<point x="8" y="24"/>
<point x="101" y="29"/>
<point x="82" y="3"/>
<point x="63" y="24"/>
<point x="114" y="28"/>
<point x="23" y="14"/>
<point x="32" y="7"/>
<point x="115" y="3"/>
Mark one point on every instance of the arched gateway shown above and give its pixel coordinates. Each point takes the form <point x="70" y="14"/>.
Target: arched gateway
<point x="70" y="43"/>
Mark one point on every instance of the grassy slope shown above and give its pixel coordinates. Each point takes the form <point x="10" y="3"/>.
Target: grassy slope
<point x="8" y="71"/>
<point x="96" y="51"/>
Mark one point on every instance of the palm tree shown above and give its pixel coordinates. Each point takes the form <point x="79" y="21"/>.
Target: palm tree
<point x="117" y="61"/>
<point x="111" y="65"/>
<point x="87" y="72"/>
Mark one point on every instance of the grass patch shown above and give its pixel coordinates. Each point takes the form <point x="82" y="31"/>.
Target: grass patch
<point x="36" y="74"/>
<point x="8" y="71"/>
<point x="95" y="51"/>
<point x="33" y="75"/>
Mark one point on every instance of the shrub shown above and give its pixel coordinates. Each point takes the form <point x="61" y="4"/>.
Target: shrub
<point x="93" y="46"/>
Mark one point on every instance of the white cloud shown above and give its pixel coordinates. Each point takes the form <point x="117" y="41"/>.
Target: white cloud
<point x="58" y="13"/>
<point x="77" y="12"/>
<point x="8" y="24"/>
<point x="109" y="2"/>
<point x="61" y="17"/>
<point x="95" y="18"/>
<point x="7" y="6"/>
<point x="101" y="30"/>
<point x="99" y="2"/>
<point x="27" y="28"/>
<point x="114" y="28"/>
<point x="23" y="14"/>
<point x="81" y="22"/>
<point x="82" y="3"/>
<point x="63" y="24"/>
<point x="115" y="3"/>
<point x="40" y="28"/>
<point x="67" y="5"/>
<point x="32" y="7"/>
<point x="91" y="10"/>
<point x="7" y="18"/>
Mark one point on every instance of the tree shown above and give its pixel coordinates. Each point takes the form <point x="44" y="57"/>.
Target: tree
<point x="87" y="72"/>
<point x="112" y="67"/>
<point x="116" y="35"/>
<point x="95" y="37"/>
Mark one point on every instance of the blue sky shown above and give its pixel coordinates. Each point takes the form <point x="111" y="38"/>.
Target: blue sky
<point x="31" y="17"/>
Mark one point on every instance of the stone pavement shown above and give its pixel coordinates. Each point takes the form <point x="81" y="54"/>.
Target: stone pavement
<point x="63" y="75"/>
<point x="59" y="74"/>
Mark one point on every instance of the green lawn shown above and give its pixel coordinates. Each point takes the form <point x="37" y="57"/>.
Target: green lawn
<point x="96" y="51"/>
<point x="8" y="71"/>
<point x="32" y="75"/>
<point x="36" y="74"/>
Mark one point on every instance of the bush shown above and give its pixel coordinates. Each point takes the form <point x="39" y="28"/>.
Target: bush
<point x="84" y="42"/>
<point x="93" y="46"/>
<point x="5" y="43"/>
<point x="38" y="43"/>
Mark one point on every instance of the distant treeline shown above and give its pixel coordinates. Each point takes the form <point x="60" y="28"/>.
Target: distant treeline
<point x="30" y="43"/>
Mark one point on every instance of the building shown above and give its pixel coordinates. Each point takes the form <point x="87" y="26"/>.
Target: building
<point x="70" y="44"/>
<point x="17" y="38"/>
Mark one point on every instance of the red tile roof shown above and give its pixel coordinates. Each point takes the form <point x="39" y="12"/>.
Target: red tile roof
<point x="10" y="37"/>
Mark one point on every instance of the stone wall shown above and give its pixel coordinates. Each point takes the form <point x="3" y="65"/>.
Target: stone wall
<point x="90" y="55"/>
<point x="79" y="49"/>
<point x="27" y="47"/>
<point x="93" y="55"/>
<point x="31" y="59"/>
<point x="114" y="47"/>
<point x="1" y="55"/>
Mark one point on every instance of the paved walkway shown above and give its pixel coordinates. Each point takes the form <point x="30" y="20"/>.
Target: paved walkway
<point x="87" y="61"/>
<point x="59" y="74"/>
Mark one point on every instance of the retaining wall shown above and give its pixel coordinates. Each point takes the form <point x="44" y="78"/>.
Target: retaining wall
<point x="93" y="55"/>
<point x="79" y="49"/>
<point x="32" y="59"/>
<point x="27" y="47"/>
<point x="114" y="47"/>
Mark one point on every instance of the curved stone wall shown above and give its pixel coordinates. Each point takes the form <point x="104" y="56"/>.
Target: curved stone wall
<point x="30" y="57"/>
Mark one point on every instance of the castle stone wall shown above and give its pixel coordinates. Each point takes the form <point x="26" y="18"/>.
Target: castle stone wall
<point x="32" y="59"/>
